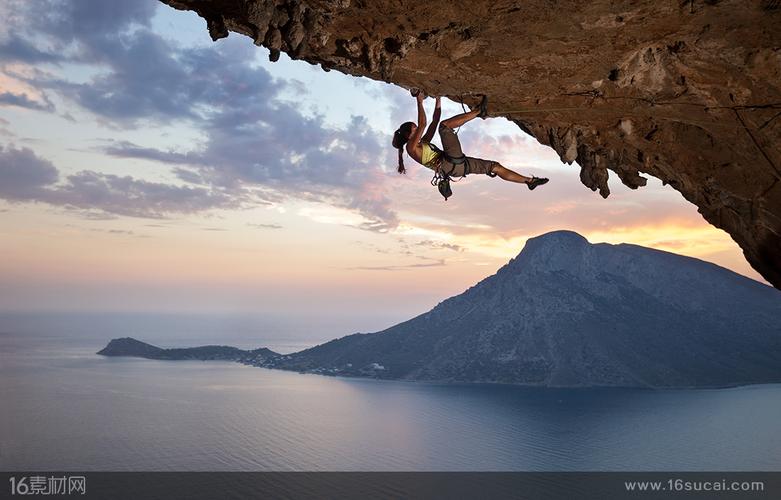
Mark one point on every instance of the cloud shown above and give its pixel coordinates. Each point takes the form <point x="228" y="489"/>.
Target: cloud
<point x="293" y="155"/>
<point x="21" y="100"/>
<point x="82" y="31"/>
<point x="271" y="144"/>
<point x="127" y="149"/>
<point x="398" y="267"/>
<point x="187" y="175"/>
<point x="125" y="232"/>
<point x="146" y="81"/>
<point x="143" y="75"/>
<point x="124" y="195"/>
<point x="253" y="138"/>
<point x="88" y="23"/>
<point x="16" y="49"/>
<point x="439" y="245"/>
<point x="265" y="226"/>
<point x="24" y="177"/>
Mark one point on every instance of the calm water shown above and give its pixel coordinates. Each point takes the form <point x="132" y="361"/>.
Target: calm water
<point x="63" y="407"/>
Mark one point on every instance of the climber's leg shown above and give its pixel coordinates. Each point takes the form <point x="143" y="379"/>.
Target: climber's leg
<point x="458" y="120"/>
<point x="509" y="175"/>
<point x="450" y="143"/>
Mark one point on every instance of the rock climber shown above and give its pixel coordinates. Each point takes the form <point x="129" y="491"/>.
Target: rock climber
<point x="450" y="159"/>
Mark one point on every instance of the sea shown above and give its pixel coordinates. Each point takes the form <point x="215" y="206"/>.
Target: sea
<point x="63" y="407"/>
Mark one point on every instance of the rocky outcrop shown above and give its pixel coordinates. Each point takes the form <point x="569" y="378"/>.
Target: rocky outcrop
<point x="688" y="91"/>
<point x="130" y="347"/>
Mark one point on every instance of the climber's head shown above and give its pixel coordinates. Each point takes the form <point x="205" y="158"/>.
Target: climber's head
<point x="400" y="138"/>
<point x="403" y="134"/>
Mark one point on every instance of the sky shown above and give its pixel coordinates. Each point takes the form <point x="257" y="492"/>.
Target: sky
<point x="145" y="168"/>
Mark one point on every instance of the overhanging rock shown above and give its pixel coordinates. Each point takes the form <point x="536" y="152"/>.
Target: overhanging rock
<point x="688" y="91"/>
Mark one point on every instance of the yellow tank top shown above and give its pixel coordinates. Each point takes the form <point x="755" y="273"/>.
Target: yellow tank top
<point x="430" y="156"/>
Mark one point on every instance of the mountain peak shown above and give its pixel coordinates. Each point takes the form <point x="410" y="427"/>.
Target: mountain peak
<point x="555" y="250"/>
<point x="128" y="346"/>
<point x="561" y="235"/>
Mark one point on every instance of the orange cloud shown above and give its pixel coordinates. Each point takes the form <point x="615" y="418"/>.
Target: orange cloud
<point x="17" y="87"/>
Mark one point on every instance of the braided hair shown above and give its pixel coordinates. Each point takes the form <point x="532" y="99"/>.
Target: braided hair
<point x="400" y="138"/>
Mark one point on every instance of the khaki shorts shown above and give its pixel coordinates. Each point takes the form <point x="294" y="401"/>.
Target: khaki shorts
<point x="452" y="147"/>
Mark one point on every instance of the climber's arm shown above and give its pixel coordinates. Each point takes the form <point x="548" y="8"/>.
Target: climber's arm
<point x="434" y="122"/>
<point x="415" y="138"/>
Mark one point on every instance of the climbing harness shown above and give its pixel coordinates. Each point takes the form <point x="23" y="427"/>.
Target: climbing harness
<point x="455" y="160"/>
<point x="441" y="178"/>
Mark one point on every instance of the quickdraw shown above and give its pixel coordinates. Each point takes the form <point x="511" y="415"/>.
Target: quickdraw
<point x="442" y="181"/>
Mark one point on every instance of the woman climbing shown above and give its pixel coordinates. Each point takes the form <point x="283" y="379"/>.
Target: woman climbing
<point x="450" y="161"/>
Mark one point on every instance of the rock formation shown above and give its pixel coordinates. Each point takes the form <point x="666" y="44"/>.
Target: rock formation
<point x="688" y="91"/>
<point x="128" y="346"/>
<point x="565" y="312"/>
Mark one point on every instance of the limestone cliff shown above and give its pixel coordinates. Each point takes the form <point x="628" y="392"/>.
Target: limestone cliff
<point x="688" y="91"/>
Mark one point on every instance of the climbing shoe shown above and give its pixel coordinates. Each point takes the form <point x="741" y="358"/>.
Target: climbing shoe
<point x="483" y="107"/>
<point x="536" y="181"/>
